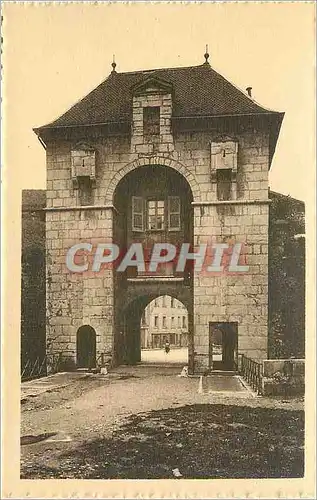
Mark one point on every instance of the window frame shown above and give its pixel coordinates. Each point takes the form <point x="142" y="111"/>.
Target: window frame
<point x="156" y="201"/>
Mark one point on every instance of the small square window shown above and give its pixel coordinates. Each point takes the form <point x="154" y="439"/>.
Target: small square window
<point x="85" y="190"/>
<point x="224" y="184"/>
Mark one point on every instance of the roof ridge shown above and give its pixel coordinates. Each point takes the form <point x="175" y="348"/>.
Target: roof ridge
<point x="177" y="68"/>
<point x="243" y="92"/>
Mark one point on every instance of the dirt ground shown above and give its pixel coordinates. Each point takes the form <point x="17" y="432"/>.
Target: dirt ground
<point x="146" y="422"/>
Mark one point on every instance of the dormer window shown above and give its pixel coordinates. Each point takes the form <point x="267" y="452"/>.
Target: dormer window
<point x="151" y="121"/>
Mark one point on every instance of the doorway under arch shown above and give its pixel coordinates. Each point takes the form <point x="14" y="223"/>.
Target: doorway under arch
<point x="153" y="205"/>
<point x="164" y="331"/>
<point x="86" y="347"/>
<point x="131" y="339"/>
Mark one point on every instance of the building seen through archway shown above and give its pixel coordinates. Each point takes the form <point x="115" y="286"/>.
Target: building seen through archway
<point x="164" y="320"/>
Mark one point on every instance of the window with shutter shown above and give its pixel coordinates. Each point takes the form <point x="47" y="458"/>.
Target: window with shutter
<point x="174" y="213"/>
<point x="158" y="215"/>
<point x="137" y="214"/>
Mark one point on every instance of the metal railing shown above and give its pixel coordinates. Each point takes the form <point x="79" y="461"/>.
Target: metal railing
<point x="52" y="363"/>
<point x="252" y="372"/>
<point x="36" y="368"/>
<point x="33" y="369"/>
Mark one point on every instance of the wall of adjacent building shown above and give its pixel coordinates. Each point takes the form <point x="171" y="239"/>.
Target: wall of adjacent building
<point x="33" y="318"/>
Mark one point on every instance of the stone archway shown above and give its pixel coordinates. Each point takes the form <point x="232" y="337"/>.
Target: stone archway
<point x="153" y="160"/>
<point x="130" y="328"/>
<point x="147" y="180"/>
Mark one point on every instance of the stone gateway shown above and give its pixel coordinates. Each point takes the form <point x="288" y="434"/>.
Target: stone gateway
<point x="158" y="156"/>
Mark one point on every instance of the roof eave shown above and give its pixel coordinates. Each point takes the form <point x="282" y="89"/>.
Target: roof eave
<point x="51" y="126"/>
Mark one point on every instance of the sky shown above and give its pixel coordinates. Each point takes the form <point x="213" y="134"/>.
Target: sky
<point x="55" y="54"/>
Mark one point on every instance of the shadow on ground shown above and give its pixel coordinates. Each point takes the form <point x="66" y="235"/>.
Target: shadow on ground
<point x="202" y="441"/>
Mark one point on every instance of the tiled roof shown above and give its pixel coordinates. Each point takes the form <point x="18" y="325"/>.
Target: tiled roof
<point x="197" y="91"/>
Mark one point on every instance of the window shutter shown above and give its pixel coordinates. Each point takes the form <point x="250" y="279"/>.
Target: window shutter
<point x="137" y="214"/>
<point x="174" y="213"/>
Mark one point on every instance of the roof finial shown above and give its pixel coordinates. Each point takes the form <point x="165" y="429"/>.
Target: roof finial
<point x="113" y="64"/>
<point x="206" y="55"/>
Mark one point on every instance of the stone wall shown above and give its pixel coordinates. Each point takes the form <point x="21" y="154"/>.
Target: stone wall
<point x="285" y="377"/>
<point x="232" y="298"/>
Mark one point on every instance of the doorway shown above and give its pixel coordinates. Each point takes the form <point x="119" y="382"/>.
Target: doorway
<point x="223" y="346"/>
<point x="86" y="347"/>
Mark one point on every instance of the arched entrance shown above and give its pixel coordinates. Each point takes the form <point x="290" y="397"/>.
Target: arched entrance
<point x="153" y="204"/>
<point x="86" y="347"/>
<point x="133" y="340"/>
